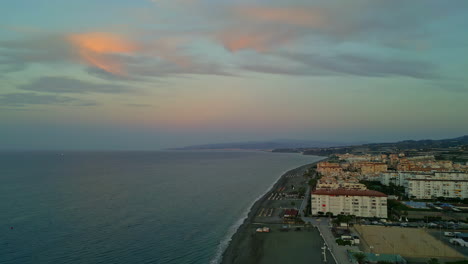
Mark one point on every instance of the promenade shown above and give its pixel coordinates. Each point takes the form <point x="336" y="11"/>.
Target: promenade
<point x="339" y="252"/>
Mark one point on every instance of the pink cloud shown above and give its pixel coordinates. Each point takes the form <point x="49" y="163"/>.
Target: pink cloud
<point x="93" y="49"/>
<point x="306" y="17"/>
<point x="264" y="28"/>
<point x="260" y="40"/>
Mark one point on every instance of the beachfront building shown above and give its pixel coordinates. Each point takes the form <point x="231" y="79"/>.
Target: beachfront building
<point x="329" y="183"/>
<point x="290" y="216"/>
<point x="362" y="203"/>
<point x="447" y="185"/>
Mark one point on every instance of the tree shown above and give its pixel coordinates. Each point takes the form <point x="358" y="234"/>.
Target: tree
<point x="301" y="191"/>
<point x="360" y="257"/>
<point x="433" y="261"/>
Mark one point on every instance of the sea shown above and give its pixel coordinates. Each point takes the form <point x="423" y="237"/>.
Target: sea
<point x="130" y="207"/>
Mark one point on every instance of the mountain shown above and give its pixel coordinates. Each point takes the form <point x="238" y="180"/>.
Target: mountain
<point x="424" y="144"/>
<point x="267" y="145"/>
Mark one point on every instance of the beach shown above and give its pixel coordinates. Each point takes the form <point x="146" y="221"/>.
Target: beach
<point x="302" y="242"/>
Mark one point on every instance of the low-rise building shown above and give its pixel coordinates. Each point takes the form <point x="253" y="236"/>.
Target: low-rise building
<point x="362" y="203"/>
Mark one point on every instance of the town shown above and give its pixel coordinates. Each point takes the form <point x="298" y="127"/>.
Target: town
<point x="394" y="207"/>
<point x="404" y="202"/>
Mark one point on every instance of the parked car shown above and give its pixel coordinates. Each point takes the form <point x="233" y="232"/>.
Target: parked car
<point x="459" y="242"/>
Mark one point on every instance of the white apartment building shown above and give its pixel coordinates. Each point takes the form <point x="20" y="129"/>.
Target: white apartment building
<point x="448" y="185"/>
<point x="429" y="185"/>
<point x="362" y="203"/>
<point x="399" y="178"/>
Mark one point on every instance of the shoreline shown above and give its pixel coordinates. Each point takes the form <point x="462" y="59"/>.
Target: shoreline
<point x="231" y="254"/>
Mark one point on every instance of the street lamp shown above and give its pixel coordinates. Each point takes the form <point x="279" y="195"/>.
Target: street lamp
<point x="324" y="252"/>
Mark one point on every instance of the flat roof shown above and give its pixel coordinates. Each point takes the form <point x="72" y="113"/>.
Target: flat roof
<point x="349" y="192"/>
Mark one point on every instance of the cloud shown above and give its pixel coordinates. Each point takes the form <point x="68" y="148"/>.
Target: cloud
<point x="190" y="40"/>
<point x="69" y="85"/>
<point x="139" y="105"/>
<point x="24" y="99"/>
<point x="346" y="64"/>
<point x="258" y="39"/>
<point x="298" y="16"/>
<point x="16" y="55"/>
<point x="108" y="56"/>
<point x="96" y="48"/>
<point x="262" y="28"/>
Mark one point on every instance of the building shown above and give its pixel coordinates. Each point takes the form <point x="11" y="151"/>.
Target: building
<point x="333" y="183"/>
<point x="362" y="203"/>
<point x="429" y="185"/>
<point x="370" y="167"/>
<point x="399" y="178"/>
<point x="447" y="185"/>
<point x="328" y="168"/>
<point x="290" y="216"/>
<point x="424" y="163"/>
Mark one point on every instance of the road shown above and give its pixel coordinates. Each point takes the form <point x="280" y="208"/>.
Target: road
<point x="340" y="252"/>
<point x="304" y="201"/>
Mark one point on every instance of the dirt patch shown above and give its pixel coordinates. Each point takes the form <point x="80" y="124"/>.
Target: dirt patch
<point x="408" y="242"/>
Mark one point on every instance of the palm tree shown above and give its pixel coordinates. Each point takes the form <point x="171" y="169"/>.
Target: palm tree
<point x="360" y="257"/>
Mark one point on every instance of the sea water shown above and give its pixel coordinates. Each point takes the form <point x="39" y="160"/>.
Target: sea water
<point x="129" y="207"/>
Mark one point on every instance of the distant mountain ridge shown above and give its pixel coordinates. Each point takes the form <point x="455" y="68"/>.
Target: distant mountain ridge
<point x="293" y="145"/>
<point x="425" y="143"/>
<point x="267" y="145"/>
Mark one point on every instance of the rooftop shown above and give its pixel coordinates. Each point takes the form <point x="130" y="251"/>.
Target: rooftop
<point x="349" y="192"/>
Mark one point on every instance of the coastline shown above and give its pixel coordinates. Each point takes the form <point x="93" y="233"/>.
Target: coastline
<point x="237" y="250"/>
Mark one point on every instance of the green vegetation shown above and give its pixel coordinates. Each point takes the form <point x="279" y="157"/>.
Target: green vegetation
<point x="309" y="173"/>
<point x="360" y="257"/>
<point x="458" y="262"/>
<point x="342" y="242"/>
<point x="433" y="261"/>
<point x="343" y="219"/>
<point x="301" y="191"/>
<point x="452" y="200"/>
<point x="392" y="189"/>
<point x="394" y="205"/>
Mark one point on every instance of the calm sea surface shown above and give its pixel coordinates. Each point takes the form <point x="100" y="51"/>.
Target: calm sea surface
<point x="129" y="207"/>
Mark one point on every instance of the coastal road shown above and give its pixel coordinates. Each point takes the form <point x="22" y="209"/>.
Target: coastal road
<point x="304" y="202"/>
<point x="340" y="252"/>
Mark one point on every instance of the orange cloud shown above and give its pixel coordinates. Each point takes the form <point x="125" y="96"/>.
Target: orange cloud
<point x="262" y="28"/>
<point x="307" y="17"/>
<point x="258" y="40"/>
<point x="94" y="49"/>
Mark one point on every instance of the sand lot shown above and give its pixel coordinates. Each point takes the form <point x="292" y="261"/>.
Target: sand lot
<point x="408" y="242"/>
<point x="292" y="247"/>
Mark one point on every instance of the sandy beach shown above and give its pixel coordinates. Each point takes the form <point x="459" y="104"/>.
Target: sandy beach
<point x="247" y="246"/>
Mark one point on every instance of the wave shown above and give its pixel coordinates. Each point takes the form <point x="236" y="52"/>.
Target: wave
<point x="224" y="243"/>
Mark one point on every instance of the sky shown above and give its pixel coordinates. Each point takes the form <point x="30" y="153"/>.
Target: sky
<point x="152" y="74"/>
